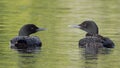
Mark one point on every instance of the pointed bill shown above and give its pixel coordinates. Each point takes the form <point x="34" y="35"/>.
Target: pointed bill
<point x="74" y="26"/>
<point x="41" y="29"/>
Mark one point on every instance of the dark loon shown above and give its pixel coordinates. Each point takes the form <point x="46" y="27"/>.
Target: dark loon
<point x="93" y="39"/>
<point x="24" y="41"/>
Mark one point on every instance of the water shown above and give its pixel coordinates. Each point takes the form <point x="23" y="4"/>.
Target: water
<point x="60" y="43"/>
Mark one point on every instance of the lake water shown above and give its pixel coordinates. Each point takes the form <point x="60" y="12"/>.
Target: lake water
<point x="60" y="42"/>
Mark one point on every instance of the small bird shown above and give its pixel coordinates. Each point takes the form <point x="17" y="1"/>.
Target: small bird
<point x="25" y="42"/>
<point x="92" y="38"/>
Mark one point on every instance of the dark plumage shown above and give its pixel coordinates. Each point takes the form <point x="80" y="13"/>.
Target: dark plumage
<point x="93" y="39"/>
<point x="26" y="42"/>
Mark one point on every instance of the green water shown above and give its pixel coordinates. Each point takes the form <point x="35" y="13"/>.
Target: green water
<point x="60" y="43"/>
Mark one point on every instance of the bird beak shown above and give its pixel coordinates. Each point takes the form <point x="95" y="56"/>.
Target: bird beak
<point x="74" y="26"/>
<point x="41" y="29"/>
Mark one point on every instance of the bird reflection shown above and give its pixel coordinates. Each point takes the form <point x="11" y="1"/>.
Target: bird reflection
<point x="91" y="56"/>
<point x="27" y="61"/>
<point x="28" y="51"/>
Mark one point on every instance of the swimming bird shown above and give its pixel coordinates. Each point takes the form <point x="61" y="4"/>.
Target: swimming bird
<point x="26" y="42"/>
<point x="93" y="38"/>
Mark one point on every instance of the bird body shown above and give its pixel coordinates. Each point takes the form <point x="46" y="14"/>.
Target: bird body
<point x="91" y="41"/>
<point x="32" y="41"/>
<point x="92" y="38"/>
<point x="25" y="42"/>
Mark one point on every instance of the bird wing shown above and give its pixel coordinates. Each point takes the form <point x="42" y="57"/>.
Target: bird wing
<point x="108" y="43"/>
<point x="90" y="42"/>
<point x="33" y="40"/>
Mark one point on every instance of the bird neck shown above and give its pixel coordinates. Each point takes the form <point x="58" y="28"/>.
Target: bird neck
<point x="92" y="34"/>
<point x="23" y="33"/>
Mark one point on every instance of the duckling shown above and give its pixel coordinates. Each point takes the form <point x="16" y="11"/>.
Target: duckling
<point x="24" y="41"/>
<point x="92" y="38"/>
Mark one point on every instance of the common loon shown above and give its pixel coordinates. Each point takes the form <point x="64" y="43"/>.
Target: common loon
<point x="93" y="39"/>
<point x="26" y="42"/>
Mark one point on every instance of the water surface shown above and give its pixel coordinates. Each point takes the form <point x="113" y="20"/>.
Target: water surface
<point x="60" y="43"/>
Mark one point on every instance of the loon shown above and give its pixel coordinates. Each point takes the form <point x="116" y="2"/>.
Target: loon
<point x="92" y="38"/>
<point x="26" y="42"/>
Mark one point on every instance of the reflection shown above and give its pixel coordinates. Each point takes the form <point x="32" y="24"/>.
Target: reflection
<point x="27" y="61"/>
<point x="91" y="56"/>
<point x="95" y="51"/>
<point x="90" y="61"/>
<point x="28" y="51"/>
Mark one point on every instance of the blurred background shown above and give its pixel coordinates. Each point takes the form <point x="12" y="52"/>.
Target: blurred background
<point x="60" y="42"/>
